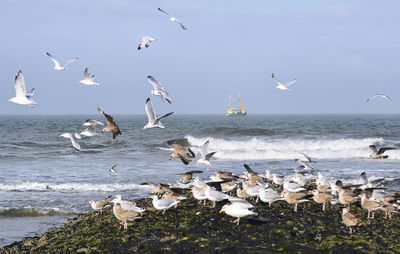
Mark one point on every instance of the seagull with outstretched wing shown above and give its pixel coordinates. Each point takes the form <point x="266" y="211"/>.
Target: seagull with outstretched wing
<point x="158" y="89"/>
<point x="88" y="79"/>
<point x="385" y="97"/>
<point x="281" y="85"/>
<point x="74" y="139"/>
<point x="57" y="65"/>
<point x="378" y="154"/>
<point x="21" y="96"/>
<point x="145" y="42"/>
<point x="111" y="125"/>
<point x="173" y="19"/>
<point x="151" y="115"/>
<point x="205" y="156"/>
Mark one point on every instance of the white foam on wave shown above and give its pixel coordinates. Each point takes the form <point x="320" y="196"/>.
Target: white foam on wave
<point x="288" y="149"/>
<point x="73" y="187"/>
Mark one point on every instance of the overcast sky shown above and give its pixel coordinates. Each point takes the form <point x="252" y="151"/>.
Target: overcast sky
<point x="341" y="52"/>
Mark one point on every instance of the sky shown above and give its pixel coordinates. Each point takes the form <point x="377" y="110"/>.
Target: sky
<point x="341" y="52"/>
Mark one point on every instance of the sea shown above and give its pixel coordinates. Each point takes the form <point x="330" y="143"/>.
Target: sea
<point x="44" y="181"/>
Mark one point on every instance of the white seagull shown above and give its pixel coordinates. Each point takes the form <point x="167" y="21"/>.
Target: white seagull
<point x="57" y="65"/>
<point x="238" y="208"/>
<point x="380" y="95"/>
<point x="90" y="132"/>
<point x="21" y="96"/>
<point x="151" y="115"/>
<point x="173" y="19"/>
<point x="158" y="89"/>
<point x="205" y="156"/>
<point x="145" y="41"/>
<point x="88" y="79"/>
<point x="73" y="138"/>
<point x="281" y="85"/>
<point x="163" y="204"/>
<point x="94" y="123"/>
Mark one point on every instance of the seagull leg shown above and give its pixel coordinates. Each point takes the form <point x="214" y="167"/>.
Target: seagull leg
<point x="125" y="225"/>
<point x="368" y="214"/>
<point x="214" y="204"/>
<point x="373" y="215"/>
<point x="204" y="202"/>
<point x="295" y="208"/>
<point x="323" y="207"/>
<point x="257" y="199"/>
<point x="163" y="212"/>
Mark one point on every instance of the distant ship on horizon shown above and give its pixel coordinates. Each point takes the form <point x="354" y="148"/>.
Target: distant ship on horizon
<point x="231" y="111"/>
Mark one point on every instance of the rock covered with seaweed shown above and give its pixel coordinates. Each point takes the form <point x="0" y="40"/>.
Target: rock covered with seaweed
<point x="194" y="228"/>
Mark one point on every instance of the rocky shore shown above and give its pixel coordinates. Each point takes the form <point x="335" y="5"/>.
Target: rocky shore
<point x="193" y="228"/>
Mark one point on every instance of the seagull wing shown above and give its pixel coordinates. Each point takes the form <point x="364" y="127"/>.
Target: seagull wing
<point x="150" y="111"/>
<point x="87" y="75"/>
<point x="209" y="156"/>
<point x="182" y="26"/>
<point x="158" y="119"/>
<point x="249" y="169"/>
<point x="163" y="11"/>
<point x="56" y="63"/>
<point x="90" y="129"/>
<point x="166" y="96"/>
<point x="110" y="119"/>
<point x="204" y="149"/>
<point x="75" y="143"/>
<point x="19" y="85"/>
<point x="157" y="86"/>
<point x="383" y="149"/>
<point x="290" y="83"/>
<point x="373" y="148"/>
<point x="70" y="61"/>
<point x="30" y="93"/>
<point x="275" y="79"/>
<point x="142" y="43"/>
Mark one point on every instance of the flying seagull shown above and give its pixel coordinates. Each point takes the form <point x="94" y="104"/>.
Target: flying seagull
<point x="88" y="79"/>
<point x="111" y="125"/>
<point x="158" y="89"/>
<point x="380" y="95"/>
<point x="73" y="138"/>
<point x="181" y="152"/>
<point x="113" y="169"/>
<point x="145" y="41"/>
<point x="283" y="86"/>
<point x="151" y="115"/>
<point x="21" y="96"/>
<point x="205" y="156"/>
<point x="90" y="132"/>
<point x="57" y="65"/>
<point x="173" y="19"/>
<point x="90" y="122"/>
<point x="378" y="154"/>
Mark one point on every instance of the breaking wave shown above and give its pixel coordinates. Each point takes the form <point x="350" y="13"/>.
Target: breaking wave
<point x="288" y="149"/>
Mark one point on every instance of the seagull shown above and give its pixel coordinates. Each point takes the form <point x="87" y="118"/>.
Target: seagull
<point x="238" y="208"/>
<point x="73" y="138"/>
<point x="350" y="220"/>
<point x="151" y="115"/>
<point x="145" y="41"/>
<point x="181" y="152"/>
<point x="127" y="205"/>
<point x="21" y="96"/>
<point x="158" y="89"/>
<point x="88" y="79"/>
<point x="89" y="122"/>
<point x="113" y="169"/>
<point x="57" y="65"/>
<point x="214" y="195"/>
<point x="163" y="204"/>
<point x="111" y="125"/>
<point x="305" y="158"/>
<point x="283" y="86"/>
<point x="380" y="95"/>
<point x="125" y="215"/>
<point x="90" y="132"/>
<point x="188" y="176"/>
<point x="378" y="154"/>
<point x="173" y="19"/>
<point x="205" y="156"/>
<point x="99" y="205"/>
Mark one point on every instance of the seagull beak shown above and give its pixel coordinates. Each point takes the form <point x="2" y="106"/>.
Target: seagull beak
<point x="9" y="100"/>
<point x="110" y="202"/>
<point x="151" y="197"/>
<point x="220" y="211"/>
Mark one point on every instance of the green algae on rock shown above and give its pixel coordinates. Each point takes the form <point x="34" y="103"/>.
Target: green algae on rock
<point x="193" y="228"/>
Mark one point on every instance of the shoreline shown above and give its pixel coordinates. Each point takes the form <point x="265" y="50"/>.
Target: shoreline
<point x="194" y="228"/>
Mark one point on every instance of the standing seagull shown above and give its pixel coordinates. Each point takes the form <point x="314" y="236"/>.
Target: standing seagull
<point x="283" y="86"/>
<point x="21" y="96"/>
<point x="57" y="65"/>
<point x="88" y="79"/>
<point x="73" y="138"/>
<point x="151" y="115"/>
<point x="158" y="89"/>
<point x="205" y="156"/>
<point x="111" y="125"/>
<point x="145" y="41"/>
<point x="380" y="95"/>
<point x="173" y="19"/>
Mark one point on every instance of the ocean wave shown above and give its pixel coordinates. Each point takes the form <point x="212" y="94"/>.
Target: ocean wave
<point x="31" y="212"/>
<point x="71" y="187"/>
<point x="288" y="149"/>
